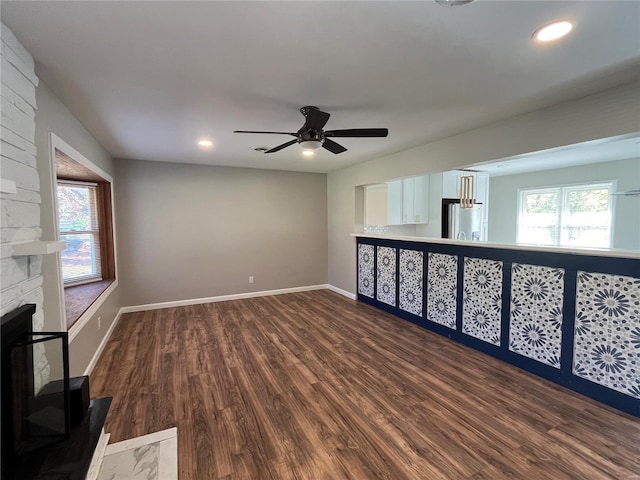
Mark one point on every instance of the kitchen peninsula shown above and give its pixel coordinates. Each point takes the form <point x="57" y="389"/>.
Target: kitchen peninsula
<point x="571" y="316"/>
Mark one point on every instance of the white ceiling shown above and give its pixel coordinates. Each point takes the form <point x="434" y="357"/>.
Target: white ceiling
<point x="150" y="78"/>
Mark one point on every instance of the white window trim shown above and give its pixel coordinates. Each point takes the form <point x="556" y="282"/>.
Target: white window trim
<point x="82" y="279"/>
<point x="56" y="143"/>
<point x="611" y="185"/>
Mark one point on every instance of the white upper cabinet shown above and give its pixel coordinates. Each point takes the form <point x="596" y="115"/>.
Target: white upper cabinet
<point x="408" y="201"/>
<point x="451" y="184"/>
<point x="420" y="193"/>
<point x="408" y="207"/>
<point x="394" y="202"/>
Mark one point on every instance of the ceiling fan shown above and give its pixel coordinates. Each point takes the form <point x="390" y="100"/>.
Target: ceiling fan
<point x="311" y="136"/>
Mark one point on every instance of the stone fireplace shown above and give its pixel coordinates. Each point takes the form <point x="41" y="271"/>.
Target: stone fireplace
<point x="21" y="278"/>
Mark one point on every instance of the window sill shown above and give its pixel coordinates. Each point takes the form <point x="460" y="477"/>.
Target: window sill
<point x="78" y="299"/>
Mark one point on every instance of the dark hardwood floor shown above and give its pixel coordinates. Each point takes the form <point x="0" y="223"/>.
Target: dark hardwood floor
<point x="315" y="386"/>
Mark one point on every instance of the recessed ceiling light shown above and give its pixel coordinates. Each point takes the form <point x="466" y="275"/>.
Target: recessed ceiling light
<point x="308" y="153"/>
<point x="553" y="31"/>
<point x="205" y="143"/>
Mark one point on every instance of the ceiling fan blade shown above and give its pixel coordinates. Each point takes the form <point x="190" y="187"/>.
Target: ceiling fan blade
<point x="280" y="147"/>
<point x="316" y="119"/>
<point x="358" y="132"/>
<point x="254" y="131"/>
<point x="333" y="147"/>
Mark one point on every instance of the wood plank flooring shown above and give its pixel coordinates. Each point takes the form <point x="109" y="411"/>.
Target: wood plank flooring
<point x="316" y="386"/>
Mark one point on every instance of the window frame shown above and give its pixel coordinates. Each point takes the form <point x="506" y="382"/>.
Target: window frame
<point x="521" y="205"/>
<point x="84" y="279"/>
<point x="562" y="212"/>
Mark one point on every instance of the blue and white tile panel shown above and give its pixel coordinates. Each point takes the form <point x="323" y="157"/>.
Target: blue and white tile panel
<point x="535" y="319"/>
<point x="411" y="283"/>
<point x="386" y="275"/>
<point x="482" y="299"/>
<point x="365" y="270"/>
<point x="606" y="347"/>
<point x="442" y="289"/>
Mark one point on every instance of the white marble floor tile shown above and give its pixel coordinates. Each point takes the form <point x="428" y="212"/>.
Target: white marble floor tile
<point x="150" y="457"/>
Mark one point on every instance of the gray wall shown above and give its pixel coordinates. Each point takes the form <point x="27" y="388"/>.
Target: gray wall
<point x="53" y="116"/>
<point x="503" y="198"/>
<point x="188" y="231"/>
<point x="606" y="114"/>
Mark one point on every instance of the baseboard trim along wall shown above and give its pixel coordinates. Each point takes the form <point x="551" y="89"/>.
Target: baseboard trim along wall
<point x="342" y="292"/>
<point x="198" y="301"/>
<point x="235" y="296"/>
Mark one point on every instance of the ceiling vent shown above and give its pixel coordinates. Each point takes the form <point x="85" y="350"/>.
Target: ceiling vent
<point x="454" y="3"/>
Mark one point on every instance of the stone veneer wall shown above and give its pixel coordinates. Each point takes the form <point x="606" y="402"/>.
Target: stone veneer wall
<point x="21" y="276"/>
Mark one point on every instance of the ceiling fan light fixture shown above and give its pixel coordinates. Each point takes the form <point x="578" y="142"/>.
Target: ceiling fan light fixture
<point x="311" y="144"/>
<point x="308" y="153"/>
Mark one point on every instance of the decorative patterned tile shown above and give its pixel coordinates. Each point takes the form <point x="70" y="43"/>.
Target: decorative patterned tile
<point x="365" y="270"/>
<point x="386" y="277"/>
<point x="535" y="322"/>
<point x="482" y="299"/>
<point x="442" y="284"/>
<point x="606" y="347"/>
<point x="411" y="275"/>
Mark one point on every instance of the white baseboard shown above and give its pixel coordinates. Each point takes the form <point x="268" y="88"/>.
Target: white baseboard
<point x="198" y="301"/>
<point x="221" y="298"/>
<point x="105" y="339"/>
<point x="344" y="293"/>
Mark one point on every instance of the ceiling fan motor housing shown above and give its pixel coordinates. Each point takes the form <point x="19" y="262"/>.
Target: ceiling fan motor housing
<point x="310" y="138"/>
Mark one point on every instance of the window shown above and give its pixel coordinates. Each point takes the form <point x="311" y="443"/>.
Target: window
<point x="85" y="222"/>
<point x="80" y="227"/>
<point x="572" y="215"/>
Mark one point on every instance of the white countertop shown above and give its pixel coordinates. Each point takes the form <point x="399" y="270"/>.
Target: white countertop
<point x="596" y="252"/>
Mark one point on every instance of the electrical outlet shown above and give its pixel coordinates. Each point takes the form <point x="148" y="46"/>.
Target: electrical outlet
<point x="251" y="279"/>
<point x="99" y="323"/>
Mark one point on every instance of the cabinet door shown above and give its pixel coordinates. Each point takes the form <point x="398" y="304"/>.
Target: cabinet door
<point x="408" y="189"/>
<point x="421" y="199"/>
<point x="451" y="184"/>
<point x="394" y="202"/>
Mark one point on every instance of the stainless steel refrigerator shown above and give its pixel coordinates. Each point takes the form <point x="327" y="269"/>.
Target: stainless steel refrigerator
<point x="464" y="223"/>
